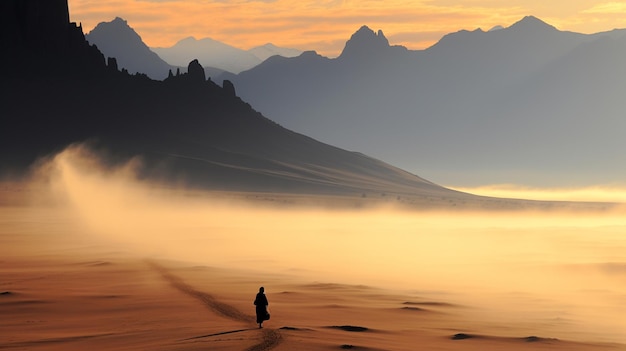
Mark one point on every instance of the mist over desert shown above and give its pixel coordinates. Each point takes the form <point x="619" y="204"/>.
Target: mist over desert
<point x="95" y="257"/>
<point x="463" y="196"/>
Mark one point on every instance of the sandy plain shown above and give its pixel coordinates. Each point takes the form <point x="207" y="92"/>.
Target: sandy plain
<point x="63" y="290"/>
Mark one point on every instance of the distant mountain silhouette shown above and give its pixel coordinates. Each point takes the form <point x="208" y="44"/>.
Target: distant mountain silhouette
<point x="210" y="52"/>
<point x="218" y="57"/>
<point x="117" y="39"/>
<point x="516" y="104"/>
<point x="268" y="50"/>
<point x="61" y="90"/>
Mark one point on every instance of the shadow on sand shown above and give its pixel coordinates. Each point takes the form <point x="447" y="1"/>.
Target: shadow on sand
<point x="220" y="333"/>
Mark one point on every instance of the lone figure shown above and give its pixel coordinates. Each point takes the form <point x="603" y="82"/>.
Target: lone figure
<point x="261" y="307"/>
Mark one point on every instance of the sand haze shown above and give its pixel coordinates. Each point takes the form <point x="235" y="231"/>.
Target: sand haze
<point x="506" y="275"/>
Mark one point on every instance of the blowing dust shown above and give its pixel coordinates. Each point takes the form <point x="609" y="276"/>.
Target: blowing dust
<point x="566" y="272"/>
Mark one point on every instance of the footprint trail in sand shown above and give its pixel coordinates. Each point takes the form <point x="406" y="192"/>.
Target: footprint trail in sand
<point x="271" y="338"/>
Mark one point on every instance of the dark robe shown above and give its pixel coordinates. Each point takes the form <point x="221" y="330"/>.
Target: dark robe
<point x="261" y="307"/>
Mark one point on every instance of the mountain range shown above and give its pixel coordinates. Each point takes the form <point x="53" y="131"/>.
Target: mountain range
<point x="213" y="53"/>
<point x="526" y="104"/>
<point x="186" y="129"/>
<point x="118" y="39"/>
<point x="61" y="90"/>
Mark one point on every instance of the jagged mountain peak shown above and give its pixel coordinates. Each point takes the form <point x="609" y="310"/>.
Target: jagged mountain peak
<point x="366" y="33"/>
<point x="118" y="27"/>
<point x="118" y="39"/>
<point x="117" y="23"/>
<point x="365" y="42"/>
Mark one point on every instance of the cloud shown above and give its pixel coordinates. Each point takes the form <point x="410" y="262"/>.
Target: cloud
<point x="599" y="193"/>
<point x="607" y="8"/>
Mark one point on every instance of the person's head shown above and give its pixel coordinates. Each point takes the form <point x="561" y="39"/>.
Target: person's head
<point x="261" y="289"/>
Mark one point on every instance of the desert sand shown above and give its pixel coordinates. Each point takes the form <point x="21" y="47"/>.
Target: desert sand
<point x="63" y="290"/>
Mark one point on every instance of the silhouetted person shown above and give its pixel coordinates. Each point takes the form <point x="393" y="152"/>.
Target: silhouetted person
<point x="261" y="307"/>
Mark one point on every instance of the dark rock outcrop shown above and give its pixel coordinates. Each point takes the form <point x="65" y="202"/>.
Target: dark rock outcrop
<point x="196" y="72"/>
<point x="112" y="63"/>
<point x="229" y="87"/>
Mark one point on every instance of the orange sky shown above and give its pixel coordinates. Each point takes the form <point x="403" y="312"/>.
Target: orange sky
<point x="325" y="25"/>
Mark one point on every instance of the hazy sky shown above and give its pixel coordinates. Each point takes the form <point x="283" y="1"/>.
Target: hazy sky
<point x="325" y="25"/>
